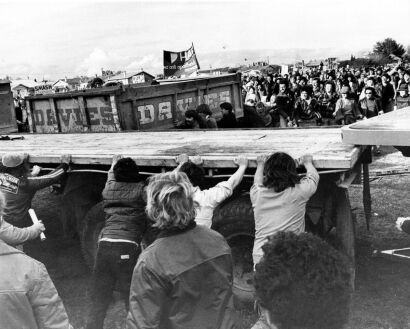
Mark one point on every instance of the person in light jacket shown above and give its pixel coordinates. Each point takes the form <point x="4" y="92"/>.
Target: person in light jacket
<point x="184" y="278"/>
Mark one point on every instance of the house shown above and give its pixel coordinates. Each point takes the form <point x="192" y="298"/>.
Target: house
<point x="314" y="64"/>
<point x="68" y="84"/>
<point x="23" y="88"/>
<point x="125" y="78"/>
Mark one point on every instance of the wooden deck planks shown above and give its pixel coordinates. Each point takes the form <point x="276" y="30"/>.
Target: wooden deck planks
<point x="392" y="128"/>
<point x="217" y="148"/>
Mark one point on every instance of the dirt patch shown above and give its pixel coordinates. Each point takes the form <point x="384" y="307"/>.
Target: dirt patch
<point x="381" y="299"/>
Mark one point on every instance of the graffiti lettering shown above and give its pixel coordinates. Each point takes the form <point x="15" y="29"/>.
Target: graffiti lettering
<point x="146" y="114"/>
<point x="164" y="111"/>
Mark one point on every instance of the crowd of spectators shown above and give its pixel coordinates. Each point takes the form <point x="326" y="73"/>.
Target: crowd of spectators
<point x="331" y="97"/>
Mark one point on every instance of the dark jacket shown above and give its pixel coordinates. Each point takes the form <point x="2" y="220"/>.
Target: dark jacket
<point x="28" y="298"/>
<point x="183" y="281"/>
<point x="19" y="191"/>
<point x="124" y="207"/>
<point x="228" y="121"/>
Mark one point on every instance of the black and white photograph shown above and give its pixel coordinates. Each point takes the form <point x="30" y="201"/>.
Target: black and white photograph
<point x="221" y="164"/>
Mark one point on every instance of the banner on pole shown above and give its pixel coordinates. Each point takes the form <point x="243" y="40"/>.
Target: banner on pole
<point x="180" y="64"/>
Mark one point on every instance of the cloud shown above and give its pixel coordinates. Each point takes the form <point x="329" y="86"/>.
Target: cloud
<point x="148" y="63"/>
<point x="98" y="59"/>
<point x="112" y="60"/>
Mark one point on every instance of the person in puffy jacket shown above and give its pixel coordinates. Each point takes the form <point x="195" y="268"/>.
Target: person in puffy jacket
<point x="184" y="278"/>
<point x="28" y="298"/>
<point x="120" y="242"/>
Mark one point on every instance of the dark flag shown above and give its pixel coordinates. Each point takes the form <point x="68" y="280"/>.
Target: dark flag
<point x="181" y="63"/>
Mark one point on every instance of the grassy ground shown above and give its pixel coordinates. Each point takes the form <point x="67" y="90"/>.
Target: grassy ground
<point x="381" y="299"/>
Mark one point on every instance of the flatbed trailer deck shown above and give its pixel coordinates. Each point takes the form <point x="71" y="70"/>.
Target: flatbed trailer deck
<point x="217" y="148"/>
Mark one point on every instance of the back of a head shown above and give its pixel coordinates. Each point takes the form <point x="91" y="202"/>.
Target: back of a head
<point x="126" y="170"/>
<point x="204" y="108"/>
<point x="191" y="114"/>
<point x="194" y="172"/>
<point x="280" y="172"/>
<point x="303" y="282"/>
<point x="170" y="202"/>
<point x="226" y="106"/>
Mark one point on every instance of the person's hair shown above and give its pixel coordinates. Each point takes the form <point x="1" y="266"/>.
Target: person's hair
<point x="194" y="172"/>
<point x="204" y="108"/>
<point x="126" y="170"/>
<point x="306" y="89"/>
<point x="387" y="76"/>
<point x="371" y="78"/>
<point x="226" y="106"/>
<point x="280" y="172"/>
<point x="170" y="202"/>
<point x="303" y="282"/>
<point x="191" y="114"/>
<point x="371" y="89"/>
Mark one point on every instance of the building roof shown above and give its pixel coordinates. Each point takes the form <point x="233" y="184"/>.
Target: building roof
<point x="127" y="75"/>
<point x="24" y="83"/>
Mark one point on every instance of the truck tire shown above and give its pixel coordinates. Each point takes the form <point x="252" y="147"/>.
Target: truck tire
<point x="234" y="220"/>
<point x="93" y="223"/>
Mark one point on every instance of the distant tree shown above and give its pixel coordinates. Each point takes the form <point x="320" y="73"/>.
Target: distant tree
<point x="388" y="46"/>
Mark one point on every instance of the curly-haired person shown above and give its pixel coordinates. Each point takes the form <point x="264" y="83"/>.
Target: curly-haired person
<point x="302" y="283"/>
<point x="279" y="197"/>
<point x="184" y="278"/>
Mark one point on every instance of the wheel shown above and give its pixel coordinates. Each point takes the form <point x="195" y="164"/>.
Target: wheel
<point x="93" y="223"/>
<point x="234" y="220"/>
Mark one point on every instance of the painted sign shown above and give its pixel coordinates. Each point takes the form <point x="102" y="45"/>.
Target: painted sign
<point x="182" y="63"/>
<point x="138" y="78"/>
<point x="70" y="116"/>
<point x="100" y="114"/>
<point x="43" y="116"/>
<point x="43" y="89"/>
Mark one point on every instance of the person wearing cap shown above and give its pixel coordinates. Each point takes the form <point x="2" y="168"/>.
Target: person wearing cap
<point x="28" y="297"/>
<point x="403" y="98"/>
<point x="228" y="117"/>
<point x="19" y="185"/>
<point x="346" y="110"/>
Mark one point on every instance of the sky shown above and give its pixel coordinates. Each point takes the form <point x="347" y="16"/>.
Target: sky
<point x="56" y="39"/>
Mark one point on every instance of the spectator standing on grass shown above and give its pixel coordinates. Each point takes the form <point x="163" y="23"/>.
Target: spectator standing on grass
<point x="327" y="102"/>
<point x="228" y="117"/>
<point x="28" y="298"/>
<point x="120" y="243"/>
<point x="251" y="98"/>
<point x="302" y="283"/>
<point x="388" y="94"/>
<point x="306" y="108"/>
<point x="19" y="185"/>
<point x="370" y="105"/>
<point x="208" y="199"/>
<point x="184" y="278"/>
<point x="279" y="197"/>
<point x="403" y="97"/>
<point x="346" y="110"/>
